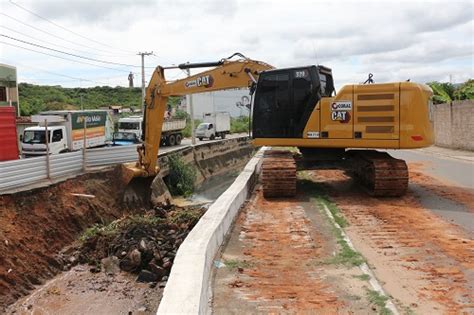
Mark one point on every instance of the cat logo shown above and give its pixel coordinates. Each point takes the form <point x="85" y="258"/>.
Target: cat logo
<point x="205" y="81"/>
<point x="341" y="116"/>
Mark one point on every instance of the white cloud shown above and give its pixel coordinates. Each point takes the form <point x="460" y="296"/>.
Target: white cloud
<point x="393" y="39"/>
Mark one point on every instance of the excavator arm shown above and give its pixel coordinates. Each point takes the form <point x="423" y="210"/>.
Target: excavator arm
<point x="227" y="74"/>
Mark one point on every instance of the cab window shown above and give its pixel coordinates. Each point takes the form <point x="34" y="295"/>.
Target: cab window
<point x="57" y="135"/>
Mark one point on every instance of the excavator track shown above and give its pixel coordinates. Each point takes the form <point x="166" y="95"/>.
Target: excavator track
<point x="381" y="174"/>
<point x="278" y="174"/>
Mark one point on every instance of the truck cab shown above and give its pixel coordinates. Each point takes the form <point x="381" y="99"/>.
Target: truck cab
<point x="215" y="125"/>
<point x="131" y="124"/>
<point x="33" y="141"/>
<point x="205" y="130"/>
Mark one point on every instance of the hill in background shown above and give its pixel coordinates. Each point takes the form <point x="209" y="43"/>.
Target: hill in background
<point x="37" y="98"/>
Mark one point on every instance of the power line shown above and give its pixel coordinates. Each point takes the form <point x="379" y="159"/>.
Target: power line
<point x="57" y="74"/>
<point x="47" y="42"/>
<point x="53" y="35"/>
<point x="68" y="59"/>
<point x="64" y="28"/>
<point x="70" y="54"/>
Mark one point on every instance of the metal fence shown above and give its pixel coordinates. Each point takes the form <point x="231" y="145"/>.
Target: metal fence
<point x="20" y="174"/>
<point x="25" y="172"/>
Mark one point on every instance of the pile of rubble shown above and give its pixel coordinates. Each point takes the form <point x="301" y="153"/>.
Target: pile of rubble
<point x="142" y="244"/>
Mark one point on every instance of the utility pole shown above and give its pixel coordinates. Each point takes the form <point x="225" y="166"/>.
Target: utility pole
<point x="191" y="112"/>
<point x="143" y="54"/>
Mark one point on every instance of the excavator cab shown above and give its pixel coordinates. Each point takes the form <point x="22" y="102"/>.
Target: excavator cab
<point x="285" y="99"/>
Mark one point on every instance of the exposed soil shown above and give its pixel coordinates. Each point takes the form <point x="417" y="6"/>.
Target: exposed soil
<point x="425" y="262"/>
<point x="276" y="262"/>
<point x="79" y="291"/>
<point x="143" y="245"/>
<point x="35" y="225"/>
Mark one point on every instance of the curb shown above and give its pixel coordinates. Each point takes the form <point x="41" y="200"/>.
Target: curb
<point x="187" y="290"/>
<point x="376" y="286"/>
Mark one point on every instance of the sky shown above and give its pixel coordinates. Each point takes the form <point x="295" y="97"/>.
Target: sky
<point x="395" y="40"/>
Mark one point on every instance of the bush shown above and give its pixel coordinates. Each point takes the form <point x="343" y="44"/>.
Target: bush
<point x="239" y="124"/>
<point x="187" y="131"/>
<point x="181" y="176"/>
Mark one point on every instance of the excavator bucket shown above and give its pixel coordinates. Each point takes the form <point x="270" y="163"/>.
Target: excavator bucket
<point x="136" y="187"/>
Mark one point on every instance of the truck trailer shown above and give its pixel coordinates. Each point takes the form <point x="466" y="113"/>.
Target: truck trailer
<point x="214" y="125"/>
<point x="171" y="133"/>
<point x="66" y="131"/>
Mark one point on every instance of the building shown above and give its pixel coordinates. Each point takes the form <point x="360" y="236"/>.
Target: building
<point x="9" y="87"/>
<point x="219" y="101"/>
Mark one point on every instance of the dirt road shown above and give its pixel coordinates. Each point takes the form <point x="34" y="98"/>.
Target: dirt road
<point x="419" y="246"/>
<point x="280" y="259"/>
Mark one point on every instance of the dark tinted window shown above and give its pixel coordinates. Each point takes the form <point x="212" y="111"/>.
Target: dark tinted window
<point x="3" y="94"/>
<point x="273" y="99"/>
<point x="57" y="135"/>
<point x="284" y="101"/>
<point x="302" y="90"/>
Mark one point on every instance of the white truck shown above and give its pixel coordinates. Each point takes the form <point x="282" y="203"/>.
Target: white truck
<point x="214" y="125"/>
<point x="171" y="132"/>
<point x="66" y="131"/>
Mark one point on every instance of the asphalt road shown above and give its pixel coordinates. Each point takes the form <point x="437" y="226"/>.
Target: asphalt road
<point x="460" y="172"/>
<point x="452" y="177"/>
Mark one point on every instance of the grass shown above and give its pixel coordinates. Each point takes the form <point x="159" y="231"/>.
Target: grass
<point x="189" y="215"/>
<point x="346" y="255"/>
<point x="235" y="263"/>
<point x="380" y="301"/>
<point x="114" y="227"/>
<point x="336" y="213"/>
<point x="363" y="277"/>
<point x="182" y="176"/>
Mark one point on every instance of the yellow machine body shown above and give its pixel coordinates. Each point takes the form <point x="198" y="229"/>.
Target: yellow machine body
<point x="389" y="116"/>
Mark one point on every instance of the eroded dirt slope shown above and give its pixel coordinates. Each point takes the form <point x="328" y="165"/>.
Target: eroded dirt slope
<point x="36" y="224"/>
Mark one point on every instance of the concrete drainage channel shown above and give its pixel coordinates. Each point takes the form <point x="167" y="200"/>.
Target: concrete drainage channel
<point x="188" y="290"/>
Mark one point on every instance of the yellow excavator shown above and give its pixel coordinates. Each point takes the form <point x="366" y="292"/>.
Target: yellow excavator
<point x="299" y="107"/>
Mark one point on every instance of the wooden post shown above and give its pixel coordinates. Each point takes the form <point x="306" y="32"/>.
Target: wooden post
<point x="84" y="144"/>
<point x="46" y="141"/>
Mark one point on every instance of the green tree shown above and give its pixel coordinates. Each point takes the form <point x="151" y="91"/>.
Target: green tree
<point x="465" y="91"/>
<point x="442" y="92"/>
<point x="239" y="124"/>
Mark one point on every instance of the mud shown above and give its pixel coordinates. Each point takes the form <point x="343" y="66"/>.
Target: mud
<point x="425" y="262"/>
<point x="79" y="291"/>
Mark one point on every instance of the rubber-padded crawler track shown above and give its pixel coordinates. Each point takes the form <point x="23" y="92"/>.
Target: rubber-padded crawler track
<point x="278" y="174"/>
<point x="381" y="174"/>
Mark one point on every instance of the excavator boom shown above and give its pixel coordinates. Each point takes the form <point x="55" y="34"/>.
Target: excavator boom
<point x="227" y="74"/>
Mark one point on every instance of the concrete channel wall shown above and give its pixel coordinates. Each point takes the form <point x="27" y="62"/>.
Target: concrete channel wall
<point x="188" y="288"/>
<point x="213" y="158"/>
<point x="454" y="125"/>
